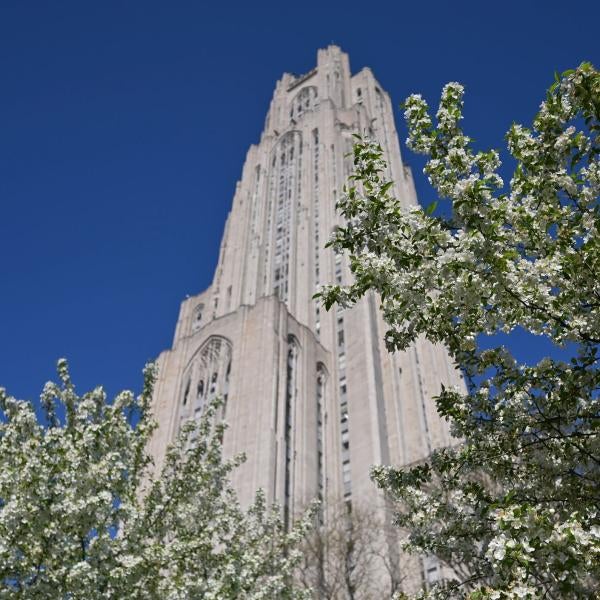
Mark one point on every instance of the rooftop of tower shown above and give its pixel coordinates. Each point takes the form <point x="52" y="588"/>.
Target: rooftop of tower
<point x="301" y="78"/>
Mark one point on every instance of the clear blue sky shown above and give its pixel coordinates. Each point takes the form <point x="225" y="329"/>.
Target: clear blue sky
<point x="123" y="130"/>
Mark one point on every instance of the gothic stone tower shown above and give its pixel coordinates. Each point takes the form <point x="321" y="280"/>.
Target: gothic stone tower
<point x="312" y="397"/>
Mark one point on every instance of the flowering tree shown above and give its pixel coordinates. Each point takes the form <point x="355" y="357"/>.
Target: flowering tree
<point x="514" y="509"/>
<point x="81" y="517"/>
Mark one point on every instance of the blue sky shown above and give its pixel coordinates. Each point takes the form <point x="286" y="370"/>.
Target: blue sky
<point x="124" y="126"/>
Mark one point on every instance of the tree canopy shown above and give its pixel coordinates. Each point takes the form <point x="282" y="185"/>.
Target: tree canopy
<point x="82" y="516"/>
<point x="514" y="508"/>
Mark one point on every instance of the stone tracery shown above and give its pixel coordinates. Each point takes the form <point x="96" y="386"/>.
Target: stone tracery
<point x="208" y="374"/>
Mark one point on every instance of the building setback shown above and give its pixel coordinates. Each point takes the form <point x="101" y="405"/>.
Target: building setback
<point x="312" y="397"/>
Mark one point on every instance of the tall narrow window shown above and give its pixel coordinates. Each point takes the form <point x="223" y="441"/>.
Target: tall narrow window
<point x="343" y="401"/>
<point x="255" y="203"/>
<point x="316" y="207"/>
<point x="282" y="196"/>
<point x="320" y="398"/>
<point x="197" y="317"/>
<point x="290" y="395"/>
<point x="186" y="393"/>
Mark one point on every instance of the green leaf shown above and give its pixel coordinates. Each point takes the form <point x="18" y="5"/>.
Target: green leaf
<point x="429" y="210"/>
<point x="386" y="187"/>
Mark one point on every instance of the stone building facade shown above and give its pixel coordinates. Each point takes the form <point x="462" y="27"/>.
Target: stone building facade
<point x="312" y="397"/>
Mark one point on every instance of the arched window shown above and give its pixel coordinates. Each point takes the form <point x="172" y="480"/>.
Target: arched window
<point x="306" y="99"/>
<point x="208" y="370"/>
